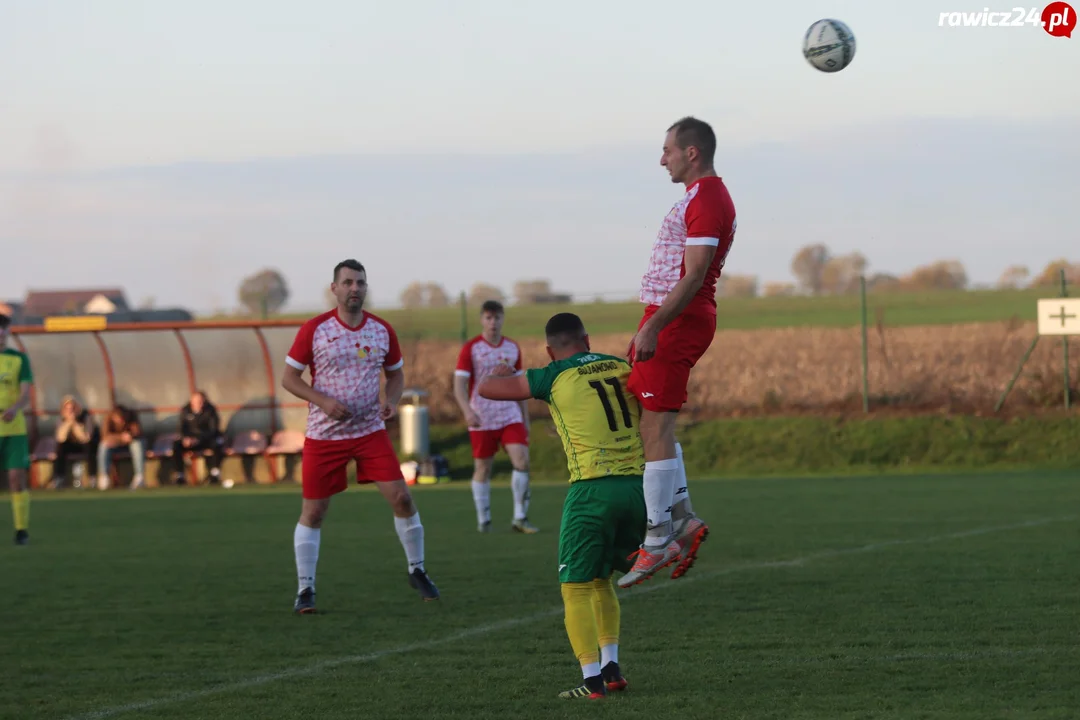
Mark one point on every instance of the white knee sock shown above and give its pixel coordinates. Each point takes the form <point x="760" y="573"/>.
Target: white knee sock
<point x="519" y="483"/>
<point x="609" y="654"/>
<point x="660" y="476"/>
<point x="680" y="504"/>
<point x="481" y="495"/>
<point x="306" y="545"/>
<point x="411" y="534"/>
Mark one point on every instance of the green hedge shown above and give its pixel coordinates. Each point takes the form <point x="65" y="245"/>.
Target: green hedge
<point x="815" y="445"/>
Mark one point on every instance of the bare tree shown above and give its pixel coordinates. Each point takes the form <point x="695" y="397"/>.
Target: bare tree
<point x="941" y="275"/>
<point x="841" y="274"/>
<point x="482" y="292"/>
<point x="421" y="294"/>
<point x="264" y="293"/>
<point x="436" y="295"/>
<point x="1051" y="274"/>
<point x="1013" y="277"/>
<point x="808" y="265"/>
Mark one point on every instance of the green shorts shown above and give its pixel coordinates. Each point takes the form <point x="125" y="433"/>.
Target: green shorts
<point x="14" y="452"/>
<point x="603" y="522"/>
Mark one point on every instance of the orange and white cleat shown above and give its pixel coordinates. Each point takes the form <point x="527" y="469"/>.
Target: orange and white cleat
<point x="648" y="561"/>
<point x="689" y="538"/>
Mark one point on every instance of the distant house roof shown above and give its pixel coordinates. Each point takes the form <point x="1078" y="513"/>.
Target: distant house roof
<point x="44" y="303"/>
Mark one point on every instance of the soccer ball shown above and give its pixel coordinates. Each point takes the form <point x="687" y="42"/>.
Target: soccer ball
<point x="829" y="45"/>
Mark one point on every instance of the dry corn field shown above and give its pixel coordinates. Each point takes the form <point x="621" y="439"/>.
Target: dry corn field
<point x="949" y="368"/>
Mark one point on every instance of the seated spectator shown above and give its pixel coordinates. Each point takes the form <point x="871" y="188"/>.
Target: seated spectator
<point x="121" y="430"/>
<point x="76" y="434"/>
<point x="200" y="431"/>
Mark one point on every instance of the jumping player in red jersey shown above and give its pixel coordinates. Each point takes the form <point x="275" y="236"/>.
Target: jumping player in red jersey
<point x="678" y="325"/>
<point x="494" y="422"/>
<point x="346" y="350"/>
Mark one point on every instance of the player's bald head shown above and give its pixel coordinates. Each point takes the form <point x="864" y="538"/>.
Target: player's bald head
<point x="565" y="332"/>
<point x="691" y="132"/>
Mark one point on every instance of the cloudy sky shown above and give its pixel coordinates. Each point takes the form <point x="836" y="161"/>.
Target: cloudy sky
<point x="173" y="148"/>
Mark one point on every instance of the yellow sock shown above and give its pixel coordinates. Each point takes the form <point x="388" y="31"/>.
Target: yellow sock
<point x="608" y="613"/>
<point x="581" y="623"/>
<point x="20" y="508"/>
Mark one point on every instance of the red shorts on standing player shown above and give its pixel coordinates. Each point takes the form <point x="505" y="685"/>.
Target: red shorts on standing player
<point x="326" y="463"/>
<point x="485" y="443"/>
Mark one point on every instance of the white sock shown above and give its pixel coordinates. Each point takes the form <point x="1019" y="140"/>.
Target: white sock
<point x="609" y="654"/>
<point x="306" y="545"/>
<point x="519" y="483"/>
<point x="590" y="670"/>
<point x="411" y="534"/>
<point x="660" y="476"/>
<point x="680" y="504"/>
<point x="481" y="495"/>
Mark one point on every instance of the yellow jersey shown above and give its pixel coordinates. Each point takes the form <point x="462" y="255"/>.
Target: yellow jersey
<point x="595" y="414"/>
<point x="14" y="371"/>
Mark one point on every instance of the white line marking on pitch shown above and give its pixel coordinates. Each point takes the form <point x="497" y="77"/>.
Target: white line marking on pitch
<point x="516" y="622"/>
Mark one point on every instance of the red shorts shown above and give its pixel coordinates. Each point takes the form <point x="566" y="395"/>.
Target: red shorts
<point x="326" y="462"/>
<point x="660" y="382"/>
<point x="485" y="443"/>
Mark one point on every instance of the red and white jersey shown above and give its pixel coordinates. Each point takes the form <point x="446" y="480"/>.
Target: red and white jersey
<point x="346" y="363"/>
<point x="477" y="359"/>
<point x="705" y="215"/>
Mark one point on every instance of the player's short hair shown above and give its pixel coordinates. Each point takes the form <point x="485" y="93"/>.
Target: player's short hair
<point x="492" y="306"/>
<point x="691" y="131"/>
<point x="351" y="264"/>
<point x="564" y="329"/>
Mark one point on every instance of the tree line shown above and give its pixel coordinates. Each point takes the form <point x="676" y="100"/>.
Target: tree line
<point x="815" y="269"/>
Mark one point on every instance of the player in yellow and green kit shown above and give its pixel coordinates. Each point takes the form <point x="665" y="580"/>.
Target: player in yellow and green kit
<point x="15" y="379"/>
<point x="604" y="516"/>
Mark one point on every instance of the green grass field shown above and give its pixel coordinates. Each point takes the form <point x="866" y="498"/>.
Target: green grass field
<point x="898" y="309"/>
<point x="886" y="597"/>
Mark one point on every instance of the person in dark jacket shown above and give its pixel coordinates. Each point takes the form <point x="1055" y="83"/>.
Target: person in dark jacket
<point x="200" y="430"/>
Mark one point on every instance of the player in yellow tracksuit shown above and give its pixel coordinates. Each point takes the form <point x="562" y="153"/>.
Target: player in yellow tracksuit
<point x="603" y="521"/>
<point x="15" y="380"/>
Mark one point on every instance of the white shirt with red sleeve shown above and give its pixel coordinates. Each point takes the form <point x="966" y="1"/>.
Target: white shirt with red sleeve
<point x="477" y="359"/>
<point x="704" y="215"/>
<point x="347" y="364"/>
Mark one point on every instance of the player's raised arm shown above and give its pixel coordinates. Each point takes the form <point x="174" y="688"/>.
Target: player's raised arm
<point x="504" y="384"/>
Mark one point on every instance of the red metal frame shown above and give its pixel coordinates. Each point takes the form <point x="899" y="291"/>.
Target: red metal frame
<point x="110" y="376"/>
<point x="271" y="386"/>
<point x="177" y="329"/>
<point x="188" y="364"/>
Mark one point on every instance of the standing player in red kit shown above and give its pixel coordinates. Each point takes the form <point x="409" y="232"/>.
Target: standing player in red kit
<point x="347" y="350"/>
<point x="494" y="422"/>
<point x="679" y="291"/>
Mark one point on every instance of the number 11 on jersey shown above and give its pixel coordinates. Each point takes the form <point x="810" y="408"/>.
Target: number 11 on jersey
<point x="601" y="391"/>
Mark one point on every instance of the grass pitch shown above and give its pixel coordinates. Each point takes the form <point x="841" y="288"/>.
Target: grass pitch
<point x="887" y="597"/>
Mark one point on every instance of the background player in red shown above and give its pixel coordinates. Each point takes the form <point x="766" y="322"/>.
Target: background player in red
<point x="347" y="350"/>
<point x="494" y="422"/>
<point x="678" y="325"/>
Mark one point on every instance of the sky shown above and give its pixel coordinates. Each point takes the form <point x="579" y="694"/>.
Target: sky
<point x="174" y="148"/>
